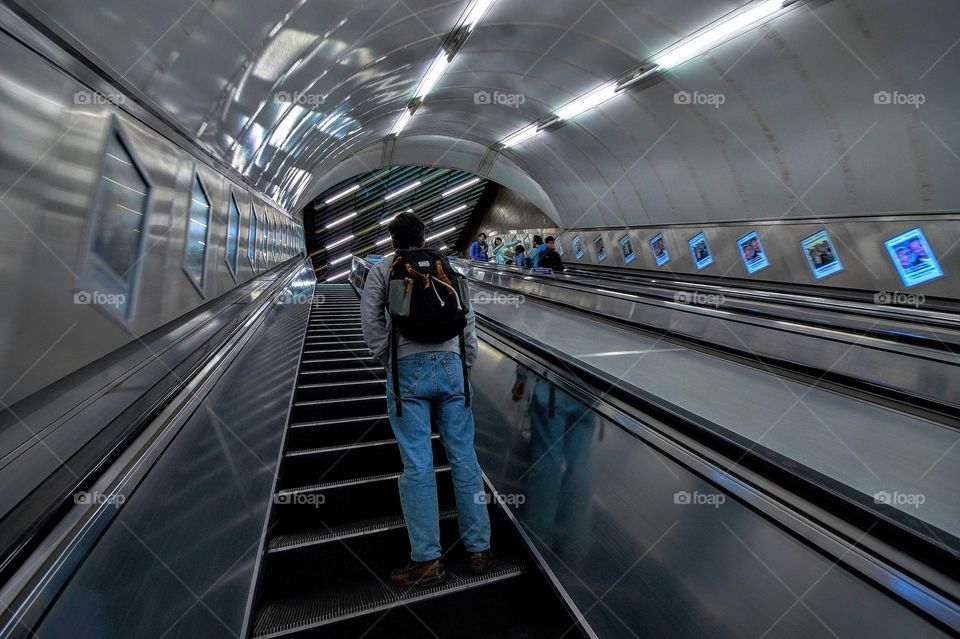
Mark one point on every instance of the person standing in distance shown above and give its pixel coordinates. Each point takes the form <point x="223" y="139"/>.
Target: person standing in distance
<point x="479" y="249"/>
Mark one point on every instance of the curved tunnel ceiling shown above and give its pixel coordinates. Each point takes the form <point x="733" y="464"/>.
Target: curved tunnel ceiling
<point x="813" y="113"/>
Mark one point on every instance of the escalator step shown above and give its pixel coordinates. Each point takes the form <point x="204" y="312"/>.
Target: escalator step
<point x="344" y="447"/>
<point x="302" y="538"/>
<point x="342" y="601"/>
<point x="344" y="483"/>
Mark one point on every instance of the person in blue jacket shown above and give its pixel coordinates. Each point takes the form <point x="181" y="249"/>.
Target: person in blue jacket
<point x="478" y="250"/>
<point x="538" y="248"/>
<point x="519" y="255"/>
<point x="498" y="255"/>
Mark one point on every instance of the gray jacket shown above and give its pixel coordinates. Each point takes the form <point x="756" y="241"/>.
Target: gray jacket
<point x="376" y="323"/>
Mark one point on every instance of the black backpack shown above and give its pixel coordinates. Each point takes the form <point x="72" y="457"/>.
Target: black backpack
<point x="428" y="302"/>
<point x="551" y="259"/>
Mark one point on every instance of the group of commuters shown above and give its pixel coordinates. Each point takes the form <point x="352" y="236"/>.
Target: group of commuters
<point x="542" y="255"/>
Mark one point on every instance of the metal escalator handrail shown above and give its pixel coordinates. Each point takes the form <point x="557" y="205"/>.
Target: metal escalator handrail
<point x="880" y="549"/>
<point x="770" y="297"/>
<point x="56" y="549"/>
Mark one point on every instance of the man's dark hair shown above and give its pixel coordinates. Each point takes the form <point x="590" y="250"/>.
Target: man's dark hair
<point x="549" y="239"/>
<point x="406" y="231"/>
<point x="537" y="239"/>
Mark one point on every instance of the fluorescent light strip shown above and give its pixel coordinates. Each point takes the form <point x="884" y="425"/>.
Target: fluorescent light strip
<point x="342" y="240"/>
<point x="434" y="71"/>
<point x="460" y="187"/>
<point x="689" y="47"/>
<point x="342" y="194"/>
<point x="449" y="213"/>
<point x="402" y="121"/>
<point x="340" y="220"/>
<point x="522" y="135"/>
<point x="401" y="191"/>
<point x="387" y="220"/>
<point x="342" y="258"/>
<point x="475" y="13"/>
<point x="383" y="240"/>
<point x="677" y="54"/>
<point x="440" y="234"/>
<point x="337" y="276"/>
<point x="587" y="101"/>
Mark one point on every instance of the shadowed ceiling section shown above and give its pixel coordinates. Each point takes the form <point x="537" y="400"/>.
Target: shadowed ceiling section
<point x="351" y="218"/>
<point x="830" y="108"/>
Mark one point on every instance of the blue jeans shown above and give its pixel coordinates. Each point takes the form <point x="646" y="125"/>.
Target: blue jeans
<point x="435" y="381"/>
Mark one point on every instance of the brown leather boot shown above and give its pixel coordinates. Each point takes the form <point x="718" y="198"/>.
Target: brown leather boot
<point x="480" y="562"/>
<point x="422" y="573"/>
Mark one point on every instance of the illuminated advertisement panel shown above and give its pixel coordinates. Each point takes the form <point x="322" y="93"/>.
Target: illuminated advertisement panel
<point x="752" y="251"/>
<point x="659" y="247"/>
<point x="820" y="254"/>
<point x="913" y="257"/>
<point x="700" y="251"/>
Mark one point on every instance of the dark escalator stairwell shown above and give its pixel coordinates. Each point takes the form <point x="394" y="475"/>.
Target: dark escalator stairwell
<point x="336" y="527"/>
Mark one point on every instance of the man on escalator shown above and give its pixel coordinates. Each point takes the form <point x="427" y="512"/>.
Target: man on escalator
<point x="408" y="301"/>
<point x="549" y="258"/>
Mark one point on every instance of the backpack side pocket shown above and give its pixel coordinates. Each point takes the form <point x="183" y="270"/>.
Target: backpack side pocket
<point x="401" y="290"/>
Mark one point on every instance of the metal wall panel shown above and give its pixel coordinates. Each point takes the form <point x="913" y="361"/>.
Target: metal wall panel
<point x="859" y="244"/>
<point x="49" y="158"/>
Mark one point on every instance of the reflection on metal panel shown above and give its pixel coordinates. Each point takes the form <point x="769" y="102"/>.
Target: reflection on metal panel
<point x="179" y="558"/>
<point x="643" y="546"/>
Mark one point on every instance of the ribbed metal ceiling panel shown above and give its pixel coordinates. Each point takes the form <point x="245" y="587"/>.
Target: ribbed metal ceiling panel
<point x="356" y="223"/>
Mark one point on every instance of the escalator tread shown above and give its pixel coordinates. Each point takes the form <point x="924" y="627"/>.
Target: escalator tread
<point x="349" y="482"/>
<point x="319" y="535"/>
<point x="340" y="601"/>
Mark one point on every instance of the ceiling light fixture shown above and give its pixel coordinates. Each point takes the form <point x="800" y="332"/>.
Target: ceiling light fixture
<point x="449" y="213"/>
<point x="587" y="101"/>
<point x="387" y="220"/>
<point x="401" y="191"/>
<point x="402" y="121"/>
<point x="674" y="55"/>
<point x="460" y="187"/>
<point x="342" y="194"/>
<point x="337" y="276"/>
<point x="475" y="13"/>
<point x="440" y="234"/>
<point x="342" y="258"/>
<point x="690" y="47"/>
<point x="522" y="135"/>
<point x="440" y="63"/>
<point x="383" y="240"/>
<point x="342" y="240"/>
<point x="340" y="220"/>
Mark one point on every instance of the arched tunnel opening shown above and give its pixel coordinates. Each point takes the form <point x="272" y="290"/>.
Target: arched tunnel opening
<point x="479" y="319"/>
